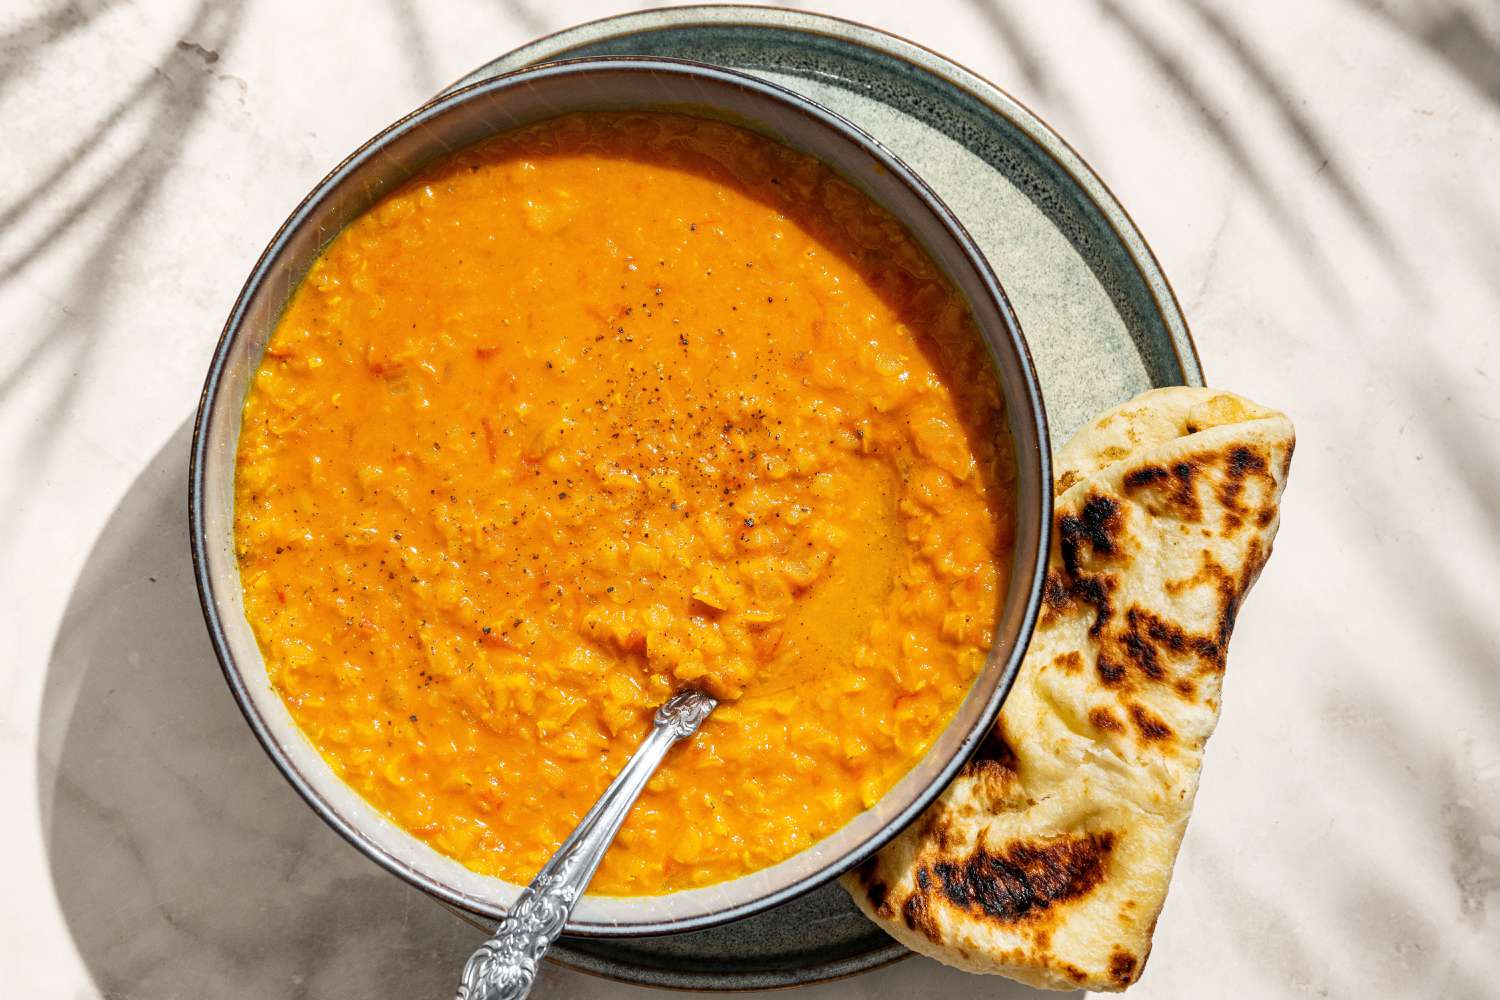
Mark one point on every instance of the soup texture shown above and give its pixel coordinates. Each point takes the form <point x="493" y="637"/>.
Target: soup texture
<point x="601" y="409"/>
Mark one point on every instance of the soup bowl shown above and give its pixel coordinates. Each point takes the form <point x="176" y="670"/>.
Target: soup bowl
<point x="471" y="115"/>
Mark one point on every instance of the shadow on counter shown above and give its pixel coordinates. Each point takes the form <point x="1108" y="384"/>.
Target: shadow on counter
<point x="186" y="866"/>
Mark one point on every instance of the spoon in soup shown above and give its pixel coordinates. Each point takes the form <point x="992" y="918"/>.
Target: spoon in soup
<point x="505" y="966"/>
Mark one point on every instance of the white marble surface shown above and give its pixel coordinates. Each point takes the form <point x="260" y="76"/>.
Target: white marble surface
<point x="1322" y="183"/>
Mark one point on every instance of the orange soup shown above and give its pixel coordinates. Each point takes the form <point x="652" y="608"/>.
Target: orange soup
<point x="599" y="410"/>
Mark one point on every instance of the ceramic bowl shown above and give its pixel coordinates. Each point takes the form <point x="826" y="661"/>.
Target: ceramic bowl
<point x="472" y="114"/>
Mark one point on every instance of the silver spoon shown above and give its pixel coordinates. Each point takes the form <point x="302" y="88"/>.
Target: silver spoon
<point x="505" y="966"/>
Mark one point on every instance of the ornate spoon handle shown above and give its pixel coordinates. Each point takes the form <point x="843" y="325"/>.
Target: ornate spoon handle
<point x="505" y="966"/>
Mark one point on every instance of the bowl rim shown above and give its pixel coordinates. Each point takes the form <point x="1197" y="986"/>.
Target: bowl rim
<point x="1032" y="412"/>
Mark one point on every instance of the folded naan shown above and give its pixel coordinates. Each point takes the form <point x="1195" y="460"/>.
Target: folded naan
<point x="1048" y="858"/>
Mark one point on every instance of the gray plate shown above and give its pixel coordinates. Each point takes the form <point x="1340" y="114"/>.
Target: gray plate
<point x="1100" y="318"/>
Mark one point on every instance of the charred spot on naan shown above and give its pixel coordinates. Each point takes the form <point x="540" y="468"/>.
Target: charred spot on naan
<point x="996" y="748"/>
<point x="1122" y="968"/>
<point x="876" y="889"/>
<point x="1095" y="531"/>
<point x="1147" y="634"/>
<point x="1103" y="719"/>
<point x="1070" y="662"/>
<point x="1112" y="674"/>
<point x="1172" y="488"/>
<point x="1073" y="972"/>
<point x="917" y="915"/>
<point x="1150" y="728"/>
<point x="1140" y="646"/>
<point x="1243" y="466"/>
<point x="1168" y="489"/>
<point x="1230" y="590"/>
<point x="1062" y="592"/>
<point x="1096" y="534"/>
<point x="1097" y="593"/>
<point x="1024" y="880"/>
<point x="1055" y="594"/>
<point x="994" y="769"/>
<point x="1148" y="649"/>
<point x="878" y="893"/>
<point x="1256" y="556"/>
<point x="936" y="828"/>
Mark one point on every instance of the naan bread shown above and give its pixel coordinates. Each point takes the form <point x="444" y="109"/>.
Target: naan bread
<point x="1048" y="858"/>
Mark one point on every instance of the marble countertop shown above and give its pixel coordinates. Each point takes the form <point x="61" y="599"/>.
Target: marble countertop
<point x="1320" y="182"/>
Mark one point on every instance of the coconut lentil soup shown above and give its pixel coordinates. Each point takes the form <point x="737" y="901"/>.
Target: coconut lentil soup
<point x="598" y="410"/>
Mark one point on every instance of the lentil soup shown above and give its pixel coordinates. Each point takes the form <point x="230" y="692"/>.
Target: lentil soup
<point x="594" y="411"/>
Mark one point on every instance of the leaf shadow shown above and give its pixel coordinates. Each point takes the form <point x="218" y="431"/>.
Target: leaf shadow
<point x="1302" y="130"/>
<point x="530" y="20"/>
<point x="169" y="101"/>
<point x="1181" y="79"/>
<point x="1452" y="33"/>
<point x="22" y="45"/>
<point x="417" y="46"/>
